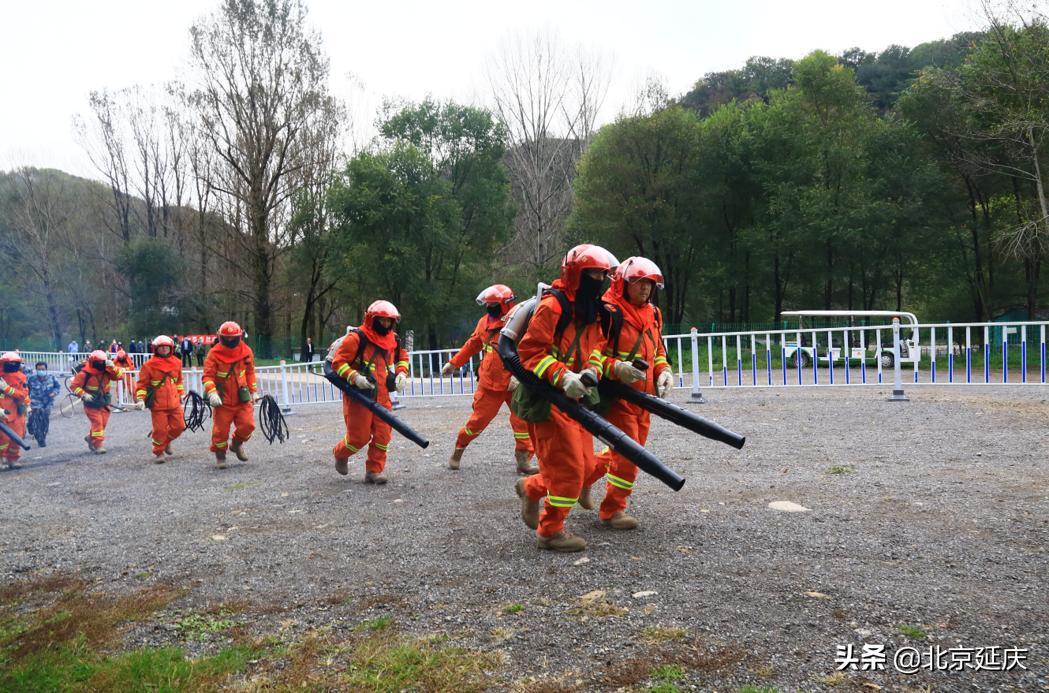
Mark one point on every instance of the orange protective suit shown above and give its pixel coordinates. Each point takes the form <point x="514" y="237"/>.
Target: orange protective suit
<point x="14" y="397"/>
<point x="492" y="381"/>
<point x="639" y="337"/>
<point x="565" y="449"/>
<point x="163" y="377"/>
<point x="97" y="382"/>
<point x="362" y="426"/>
<point x="228" y="371"/>
<point x="126" y="365"/>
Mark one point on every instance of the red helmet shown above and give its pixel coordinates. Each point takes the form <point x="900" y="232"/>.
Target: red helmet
<point x="10" y="357"/>
<point x="500" y="294"/>
<point x="584" y="257"/>
<point x="230" y="329"/>
<point x="163" y="340"/>
<point x="381" y="309"/>
<point x="121" y="354"/>
<point x="634" y="269"/>
<point x="98" y="355"/>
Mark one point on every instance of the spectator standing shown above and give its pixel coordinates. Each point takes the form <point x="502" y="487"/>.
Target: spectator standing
<point x="307" y="351"/>
<point x="200" y="350"/>
<point x="187" y="352"/>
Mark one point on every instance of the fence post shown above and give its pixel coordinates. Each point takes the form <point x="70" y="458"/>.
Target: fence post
<point x="696" y="395"/>
<point x="286" y="403"/>
<point x="897" y="387"/>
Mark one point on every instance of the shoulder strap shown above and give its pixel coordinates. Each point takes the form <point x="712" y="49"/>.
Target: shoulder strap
<point x="566" y="312"/>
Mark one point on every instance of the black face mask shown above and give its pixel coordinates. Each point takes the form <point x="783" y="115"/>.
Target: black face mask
<point x="12" y="367"/>
<point x="588" y="298"/>
<point x="230" y="342"/>
<point x="98" y="365"/>
<point x="379" y="329"/>
<point x="495" y="310"/>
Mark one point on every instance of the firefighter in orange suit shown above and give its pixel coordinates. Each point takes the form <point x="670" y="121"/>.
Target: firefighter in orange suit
<point x="229" y="385"/>
<point x="14" y="400"/>
<point x="92" y="385"/>
<point x="160" y="389"/>
<point x="494" y="383"/>
<point x="124" y="363"/>
<point x="370" y="358"/>
<point x="633" y="330"/>
<point x="564" y="448"/>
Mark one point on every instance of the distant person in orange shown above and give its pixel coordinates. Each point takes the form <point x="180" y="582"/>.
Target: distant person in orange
<point x="494" y="383"/>
<point x="160" y="389"/>
<point x="92" y="384"/>
<point x="371" y="359"/>
<point x="15" y="401"/>
<point x="633" y="330"/>
<point x="229" y="385"/>
<point x="124" y="362"/>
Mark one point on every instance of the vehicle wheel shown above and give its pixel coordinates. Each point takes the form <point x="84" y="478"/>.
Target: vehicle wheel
<point x="886" y="360"/>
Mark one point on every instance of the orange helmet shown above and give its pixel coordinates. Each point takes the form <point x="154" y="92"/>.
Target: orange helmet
<point x="634" y="269"/>
<point x="121" y="354"/>
<point x="163" y="340"/>
<point x="584" y="257"/>
<point x="381" y="309"/>
<point x="98" y="355"/>
<point x="230" y="329"/>
<point x="10" y="357"/>
<point x="496" y="293"/>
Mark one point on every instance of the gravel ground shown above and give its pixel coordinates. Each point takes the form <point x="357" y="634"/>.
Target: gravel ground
<point x="932" y="514"/>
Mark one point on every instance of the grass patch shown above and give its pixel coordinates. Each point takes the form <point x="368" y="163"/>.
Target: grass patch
<point x="841" y="469"/>
<point x="192" y="625"/>
<point x="380" y="665"/>
<point x="376" y="624"/>
<point x="513" y="608"/>
<point x="594" y="605"/>
<point x="913" y="632"/>
<point x="654" y="635"/>
<point x="241" y="485"/>
<point x="665" y="678"/>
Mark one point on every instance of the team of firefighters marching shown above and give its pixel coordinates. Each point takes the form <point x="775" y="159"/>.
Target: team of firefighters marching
<point x="579" y="333"/>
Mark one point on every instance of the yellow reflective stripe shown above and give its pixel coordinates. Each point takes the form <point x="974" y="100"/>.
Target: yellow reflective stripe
<point x="4" y="446"/>
<point x="468" y="432"/>
<point x="660" y="360"/>
<point x="154" y="383"/>
<point x="209" y="387"/>
<point x="346" y="442"/>
<point x="619" y="482"/>
<point x="181" y="387"/>
<point x="543" y="364"/>
<point x="97" y="434"/>
<point x="342" y="369"/>
<point x="557" y="378"/>
<point x="92" y="387"/>
<point x="78" y="391"/>
<point x="157" y="442"/>
<point x="560" y="502"/>
<point x="382" y="447"/>
<point x="221" y="445"/>
<point x="402" y="363"/>
<point x="222" y="374"/>
<point x="520" y="436"/>
<point x="140" y="392"/>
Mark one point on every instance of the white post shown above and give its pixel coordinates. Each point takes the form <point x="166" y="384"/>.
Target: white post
<point x="286" y="404"/>
<point x="897" y="388"/>
<point x="696" y="395"/>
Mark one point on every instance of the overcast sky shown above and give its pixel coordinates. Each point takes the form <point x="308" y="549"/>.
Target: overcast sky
<point x="56" y="51"/>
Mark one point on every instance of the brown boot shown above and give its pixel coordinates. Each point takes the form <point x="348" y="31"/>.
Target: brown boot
<point x="342" y="466"/>
<point x="238" y="449"/>
<point x="375" y="478"/>
<point x="586" y="502"/>
<point x="524" y="465"/>
<point x="562" y="542"/>
<point x="168" y="450"/>
<point x="621" y="520"/>
<point x="90" y="446"/>
<point x="453" y="461"/>
<point x="220" y="458"/>
<point x="529" y="507"/>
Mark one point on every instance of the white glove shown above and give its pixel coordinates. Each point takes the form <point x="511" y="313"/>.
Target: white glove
<point x="140" y="405"/>
<point x="28" y="411"/>
<point x="664" y="383"/>
<point x="448" y="368"/>
<point x="573" y="385"/>
<point x="362" y="383"/>
<point x="214" y="400"/>
<point x="256" y="396"/>
<point x="626" y="373"/>
<point x="400" y="382"/>
<point x="514" y="383"/>
<point x="110" y="363"/>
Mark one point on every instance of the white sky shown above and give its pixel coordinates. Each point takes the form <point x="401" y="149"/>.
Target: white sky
<point x="54" y="52"/>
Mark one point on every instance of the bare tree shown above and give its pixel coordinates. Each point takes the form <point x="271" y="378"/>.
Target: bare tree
<point x="261" y="89"/>
<point x="549" y="104"/>
<point x="104" y="143"/>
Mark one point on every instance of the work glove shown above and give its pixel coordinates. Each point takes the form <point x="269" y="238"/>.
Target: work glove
<point x="110" y="363"/>
<point x="139" y="405"/>
<point x="573" y="385"/>
<point x="87" y="397"/>
<point x="664" y="383"/>
<point x="28" y="411"/>
<point x="514" y="383"/>
<point x="256" y="396"/>
<point x="626" y="373"/>
<point x="400" y="382"/>
<point x="362" y="383"/>
<point x="448" y="369"/>
<point x="214" y="400"/>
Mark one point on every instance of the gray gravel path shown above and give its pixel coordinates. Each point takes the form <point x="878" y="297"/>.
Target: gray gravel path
<point x="932" y="514"/>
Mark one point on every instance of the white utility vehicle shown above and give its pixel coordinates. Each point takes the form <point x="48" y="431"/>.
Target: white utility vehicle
<point x="910" y="349"/>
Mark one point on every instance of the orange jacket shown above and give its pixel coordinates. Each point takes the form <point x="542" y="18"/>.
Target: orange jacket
<point x="650" y="348"/>
<point x="126" y="363"/>
<point x="226" y="371"/>
<point x="14" y="394"/>
<point x="349" y="358"/>
<point x="548" y="360"/>
<point x="491" y="375"/>
<point x="95" y="382"/>
<point x="164" y="376"/>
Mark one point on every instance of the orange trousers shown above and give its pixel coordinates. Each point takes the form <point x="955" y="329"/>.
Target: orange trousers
<point x="619" y="472"/>
<point x="242" y="417"/>
<point x="565" y="451"/>
<point x="364" y="428"/>
<point x="168" y="424"/>
<point x="486" y="406"/>
<point x="98" y="418"/>
<point x="9" y="450"/>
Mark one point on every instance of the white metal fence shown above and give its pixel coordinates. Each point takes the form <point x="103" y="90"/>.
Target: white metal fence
<point x="1011" y="353"/>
